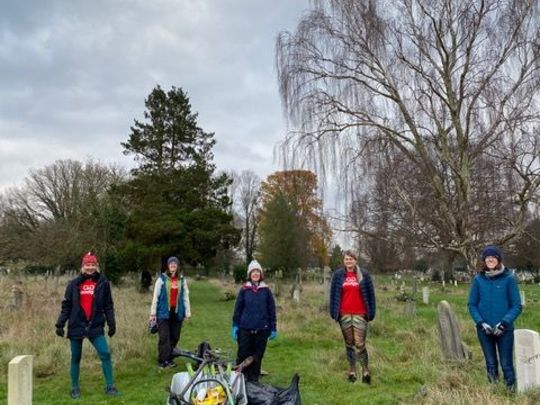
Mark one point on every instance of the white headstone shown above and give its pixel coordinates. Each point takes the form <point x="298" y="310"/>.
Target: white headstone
<point x="443" y="284"/>
<point x="522" y="295"/>
<point x="425" y="295"/>
<point x="20" y="381"/>
<point x="527" y="352"/>
<point x="455" y="283"/>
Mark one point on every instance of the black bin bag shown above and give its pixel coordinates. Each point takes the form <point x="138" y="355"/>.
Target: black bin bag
<point x="262" y="394"/>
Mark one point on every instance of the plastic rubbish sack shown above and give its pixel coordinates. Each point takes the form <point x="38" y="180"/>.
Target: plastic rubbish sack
<point x="262" y="394"/>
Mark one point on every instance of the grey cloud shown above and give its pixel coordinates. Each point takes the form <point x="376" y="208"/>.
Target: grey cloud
<point x="74" y="75"/>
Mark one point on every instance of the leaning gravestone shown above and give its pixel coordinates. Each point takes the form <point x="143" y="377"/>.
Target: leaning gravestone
<point x="527" y="353"/>
<point x="452" y="346"/>
<point x="20" y="381"/>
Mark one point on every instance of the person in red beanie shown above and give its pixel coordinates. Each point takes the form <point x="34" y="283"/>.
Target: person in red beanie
<point x="86" y="307"/>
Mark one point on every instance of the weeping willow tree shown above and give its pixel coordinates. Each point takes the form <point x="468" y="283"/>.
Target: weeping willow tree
<point x="439" y="95"/>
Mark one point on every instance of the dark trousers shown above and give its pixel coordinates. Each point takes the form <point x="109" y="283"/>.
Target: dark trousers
<point x="504" y="345"/>
<point x="252" y="343"/>
<point x="169" y="335"/>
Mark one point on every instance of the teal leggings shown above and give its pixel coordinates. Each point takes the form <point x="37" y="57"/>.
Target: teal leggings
<point x="101" y="346"/>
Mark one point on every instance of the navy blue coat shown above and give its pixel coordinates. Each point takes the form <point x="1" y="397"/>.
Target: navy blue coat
<point x="494" y="299"/>
<point x="255" y="308"/>
<point x="102" y="310"/>
<point x="366" y="288"/>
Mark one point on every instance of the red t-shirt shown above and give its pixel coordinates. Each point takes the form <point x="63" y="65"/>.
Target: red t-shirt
<point x="352" y="302"/>
<point x="86" y="293"/>
<point x="174" y="292"/>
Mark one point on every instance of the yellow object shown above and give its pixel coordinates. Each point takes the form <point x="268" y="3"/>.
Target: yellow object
<point x="214" y="396"/>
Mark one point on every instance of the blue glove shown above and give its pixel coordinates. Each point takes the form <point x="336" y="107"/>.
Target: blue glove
<point x="273" y="335"/>
<point x="234" y="332"/>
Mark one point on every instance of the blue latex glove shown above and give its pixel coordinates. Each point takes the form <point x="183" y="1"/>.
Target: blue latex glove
<point x="234" y="332"/>
<point x="273" y="335"/>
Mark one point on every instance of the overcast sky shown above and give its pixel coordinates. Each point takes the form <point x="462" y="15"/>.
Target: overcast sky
<point x="74" y="76"/>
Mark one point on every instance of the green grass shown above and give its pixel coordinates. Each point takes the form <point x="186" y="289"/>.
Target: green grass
<point x="404" y="353"/>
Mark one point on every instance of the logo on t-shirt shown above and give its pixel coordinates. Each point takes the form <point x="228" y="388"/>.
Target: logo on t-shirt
<point x="88" y="289"/>
<point x="350" y="281"/>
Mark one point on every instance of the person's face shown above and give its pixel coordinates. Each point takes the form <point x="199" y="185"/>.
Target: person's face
<point x="349" y="261"/>
<point x="89" y="268"/>
<point x="173" y="268"/>
<point x="255" y="276"/>
<point x="491" y="262"/>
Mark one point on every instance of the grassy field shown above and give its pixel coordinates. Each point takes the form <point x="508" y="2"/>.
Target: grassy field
<point x="404" y="354"/>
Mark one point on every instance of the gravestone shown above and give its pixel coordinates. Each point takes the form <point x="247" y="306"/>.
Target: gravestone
<point x="425" y="295"/>
<point x="453" y="348"/>
<point x="16" y="299"/>
<point x="527" y="354"/>
<point x="410" y="308"/>
<point x="522" y="296"/>
<point x="455" y="283"/>
<point x="20" y="381"/>
<point x="326" y="285"/>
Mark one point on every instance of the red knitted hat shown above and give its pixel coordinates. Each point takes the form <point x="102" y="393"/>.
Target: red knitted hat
<point x="89" y="258"/>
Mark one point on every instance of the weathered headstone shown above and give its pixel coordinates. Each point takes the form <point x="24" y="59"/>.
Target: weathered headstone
<point x="443" y="284"/>
<point x="425" y="295"/>
<point x="326" y="285"/>
<point x="20" y="381"/>
<point x="523" y="300"/>
<point x="455" y="283"/>
<point x="527" y="353"/>
<point x="16" y="299"/>
<point x="453" y="348"/>
<point x="410" y="308"/>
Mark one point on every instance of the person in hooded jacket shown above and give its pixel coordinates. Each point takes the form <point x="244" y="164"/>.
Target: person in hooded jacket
<point x="86" y="307"/>
<point x="494" y="304"/>
<point x="170" y="308"/>
<point x="254" y="321"/>
<point x="352" y="305"/>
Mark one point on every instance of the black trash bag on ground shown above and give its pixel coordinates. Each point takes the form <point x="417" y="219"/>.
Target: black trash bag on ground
<point x="262" y="394"/>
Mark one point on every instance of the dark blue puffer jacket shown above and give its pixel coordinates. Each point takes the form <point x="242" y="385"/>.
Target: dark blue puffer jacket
<point x="366" y="288"/>
<point x="255" y="308"/>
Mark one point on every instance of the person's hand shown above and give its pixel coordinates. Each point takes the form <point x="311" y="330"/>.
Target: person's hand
<point x="488" y="330"/>
<point x="499" y="329"/>
<point x="234" y="333"/>
<point x="152" y="318"/>
<point x="273" y="335"/>
<point x="112" y="331"/>
<point x="60" y="332"/>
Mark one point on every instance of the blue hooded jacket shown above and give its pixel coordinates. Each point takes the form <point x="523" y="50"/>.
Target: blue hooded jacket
<point x="495" y="299"/>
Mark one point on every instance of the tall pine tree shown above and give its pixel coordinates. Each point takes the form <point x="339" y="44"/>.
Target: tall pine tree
<point x="178" y="205"/>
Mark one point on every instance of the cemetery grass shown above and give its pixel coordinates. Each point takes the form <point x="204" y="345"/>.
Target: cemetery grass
<point x="404" y="353"/>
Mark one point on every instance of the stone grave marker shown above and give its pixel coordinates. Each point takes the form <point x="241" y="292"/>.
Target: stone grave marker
<point x="527" y="356"/>
<point x="425" y="295"/>
<point x="453" y="348"/>
<point x="20" y="380"/>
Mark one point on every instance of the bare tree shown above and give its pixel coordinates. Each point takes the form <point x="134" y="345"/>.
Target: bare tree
<point x="448" y="86"/>
<point x="59" y="212"/>
<point x="246" y="200"/>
